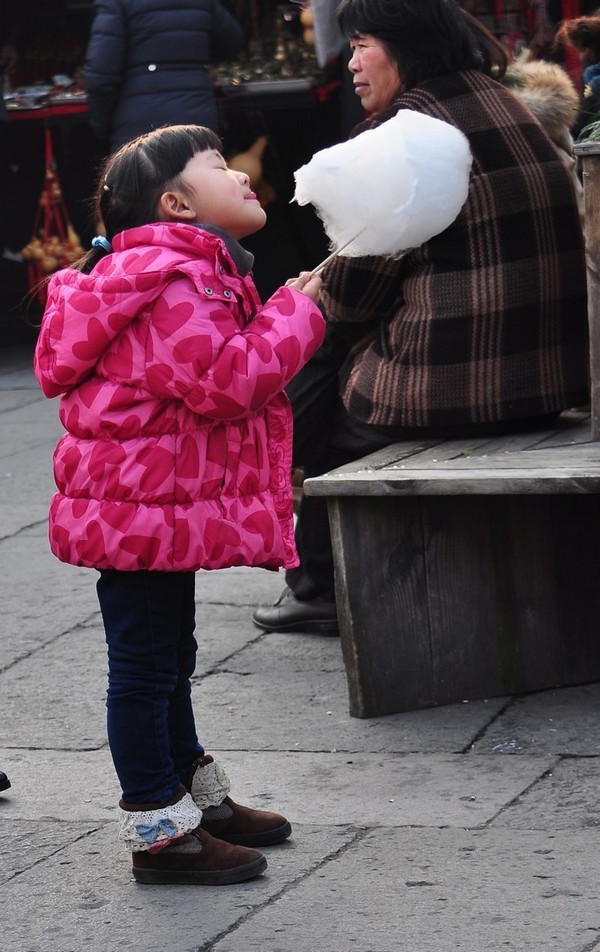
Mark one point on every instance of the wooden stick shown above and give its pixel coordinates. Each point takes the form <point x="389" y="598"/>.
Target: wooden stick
<point x="589" y="153"/>
<point x="335" y="253"/>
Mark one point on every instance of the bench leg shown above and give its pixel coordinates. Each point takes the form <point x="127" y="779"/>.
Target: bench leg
<point x="444" y="599"/>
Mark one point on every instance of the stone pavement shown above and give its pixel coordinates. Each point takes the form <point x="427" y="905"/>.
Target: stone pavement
<point x="468" y="828"/>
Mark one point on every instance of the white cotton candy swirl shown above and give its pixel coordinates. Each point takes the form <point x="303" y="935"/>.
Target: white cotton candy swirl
<point x="398" y="184"/>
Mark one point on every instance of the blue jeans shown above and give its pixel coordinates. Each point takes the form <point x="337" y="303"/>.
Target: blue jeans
<point x="149" y="620"/>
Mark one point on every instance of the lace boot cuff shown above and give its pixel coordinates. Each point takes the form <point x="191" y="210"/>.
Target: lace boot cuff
<point x="210" y="785"/>
<point x="152" y="830"/>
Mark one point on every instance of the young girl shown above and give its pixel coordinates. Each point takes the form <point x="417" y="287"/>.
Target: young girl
<point x="177" y="457"/>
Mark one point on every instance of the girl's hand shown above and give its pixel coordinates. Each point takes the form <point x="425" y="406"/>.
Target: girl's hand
<point x="308" y="283"/>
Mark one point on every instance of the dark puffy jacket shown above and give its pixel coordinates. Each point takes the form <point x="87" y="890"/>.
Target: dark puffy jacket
<point x="146" y="64"/>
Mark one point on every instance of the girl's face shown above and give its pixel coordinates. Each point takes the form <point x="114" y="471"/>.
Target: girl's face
<point x="216" y="195"/>
<point x="376" y="76"/>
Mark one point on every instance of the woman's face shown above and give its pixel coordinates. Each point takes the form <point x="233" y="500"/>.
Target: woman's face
<point x="376" y="76"/>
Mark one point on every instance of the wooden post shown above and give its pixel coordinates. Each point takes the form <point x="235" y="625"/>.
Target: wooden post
<point x="589" y="153"/>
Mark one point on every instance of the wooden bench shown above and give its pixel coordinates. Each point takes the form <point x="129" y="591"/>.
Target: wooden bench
<point x="468" y="569"/>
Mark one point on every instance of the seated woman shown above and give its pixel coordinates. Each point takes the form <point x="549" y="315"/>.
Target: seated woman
<point x="482" y="329"/>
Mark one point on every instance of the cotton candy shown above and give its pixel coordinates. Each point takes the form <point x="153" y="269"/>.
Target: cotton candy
<point x="390" y="188"/>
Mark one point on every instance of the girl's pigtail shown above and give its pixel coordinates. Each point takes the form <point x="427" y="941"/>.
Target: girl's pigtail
<point x="100" y="246"/>
<point x="101" y="242"/>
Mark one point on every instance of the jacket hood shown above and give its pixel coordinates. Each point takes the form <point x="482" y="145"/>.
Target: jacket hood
<point x="548" y="91"/>
<point x="118" y="290"/>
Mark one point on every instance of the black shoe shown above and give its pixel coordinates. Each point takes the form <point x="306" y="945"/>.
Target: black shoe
<point x="316" y="616"/>
<point x="4" y="781"/>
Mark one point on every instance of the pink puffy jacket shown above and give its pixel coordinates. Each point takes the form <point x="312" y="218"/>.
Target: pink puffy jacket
<point x="177" y="454"/>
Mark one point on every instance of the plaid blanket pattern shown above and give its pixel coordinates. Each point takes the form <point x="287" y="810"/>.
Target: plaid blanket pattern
<point x="487" y="321"/>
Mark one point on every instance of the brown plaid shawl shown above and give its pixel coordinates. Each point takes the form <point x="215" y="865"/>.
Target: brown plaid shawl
<point x="487" y="321"/>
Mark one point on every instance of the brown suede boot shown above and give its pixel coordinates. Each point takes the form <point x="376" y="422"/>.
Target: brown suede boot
<point x="227" y="820"/>
<point x="169" y="846"/>
<point x="244" y="826"/>
<point x="198" y="859"/>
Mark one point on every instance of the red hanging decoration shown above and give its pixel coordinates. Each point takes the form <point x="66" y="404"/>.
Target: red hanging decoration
<point x="54" y="243"/>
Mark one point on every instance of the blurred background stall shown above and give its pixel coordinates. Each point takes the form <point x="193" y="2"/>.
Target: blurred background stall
<point x="284" y="98"/>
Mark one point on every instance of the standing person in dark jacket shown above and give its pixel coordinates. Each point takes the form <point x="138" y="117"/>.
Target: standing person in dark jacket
<point x="480" y="330"/>
<point x="146" y="65"/>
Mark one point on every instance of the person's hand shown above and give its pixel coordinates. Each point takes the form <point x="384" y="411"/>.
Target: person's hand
<point x="308" y="283"/>
<point x="8" y="58"/>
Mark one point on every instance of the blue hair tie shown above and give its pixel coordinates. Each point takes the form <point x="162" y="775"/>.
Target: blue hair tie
<point x="101" y="242"/>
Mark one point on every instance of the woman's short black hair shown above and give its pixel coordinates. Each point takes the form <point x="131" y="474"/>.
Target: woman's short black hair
<point x="425" y="37"/>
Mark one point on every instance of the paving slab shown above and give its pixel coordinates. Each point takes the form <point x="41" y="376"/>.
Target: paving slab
<point x="13" y="398"/>
<point x="27" y="843"/>
<point x="430" y="790"/>
<point x="443" y="891"/>
<point x="16" y="369"/>
<point x="367" y="790"/>
<point x="310" y="713"/>
<point x="82" y="897"/>
<point x="472" y="827"/>
<point x="47" y="597"/>
<point x="33" y="490"/>
<point x="564" y="798"/>
<point x="77" y="786"/>
<point x="560" y="721"/>
<point x="55" y="697"/>
<point x="275" y="708"/>
<point x="30" y="428"/>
